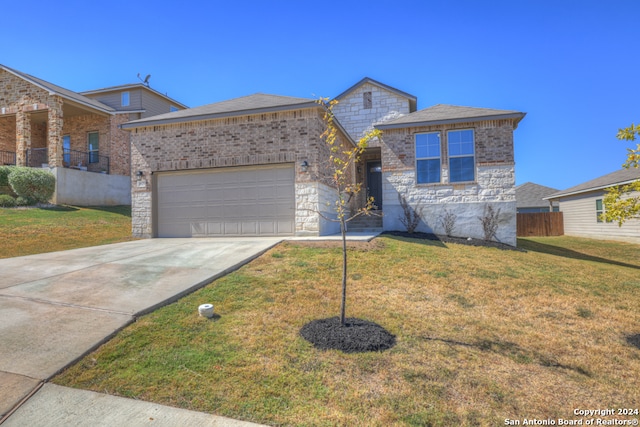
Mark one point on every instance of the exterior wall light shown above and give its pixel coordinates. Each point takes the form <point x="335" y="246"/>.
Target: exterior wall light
<point x="304" y="166"/>
<point x="139" y="174"/>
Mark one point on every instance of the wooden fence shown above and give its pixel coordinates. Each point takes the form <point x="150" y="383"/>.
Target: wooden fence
<point x="540" y="224"/>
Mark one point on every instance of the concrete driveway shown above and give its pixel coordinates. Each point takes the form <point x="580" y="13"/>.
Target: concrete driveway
<point x="57" y="307"/>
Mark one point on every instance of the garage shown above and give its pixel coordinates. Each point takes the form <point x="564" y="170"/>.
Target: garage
<point x="236" y="201"/>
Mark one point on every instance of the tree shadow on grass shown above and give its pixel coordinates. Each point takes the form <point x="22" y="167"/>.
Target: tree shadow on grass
<point x="568" y="253"/>
<point x="513" y="351"/>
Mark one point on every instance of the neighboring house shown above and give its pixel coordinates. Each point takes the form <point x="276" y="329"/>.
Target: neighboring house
<point x="44" y="125"/>
<point x="530" y="198"/>
<point x="256" y="165"/>
<point x="583" y="204"/>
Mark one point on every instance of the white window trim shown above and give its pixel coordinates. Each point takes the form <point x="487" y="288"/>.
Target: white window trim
<point x="126" y="95"/>
<point x="89" y="150"/>
<point x="439" y="158"/>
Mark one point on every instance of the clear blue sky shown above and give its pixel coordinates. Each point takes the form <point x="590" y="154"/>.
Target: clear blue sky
<point x="572" y="66"/>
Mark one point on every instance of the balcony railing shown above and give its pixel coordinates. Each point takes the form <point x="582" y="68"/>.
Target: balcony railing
<point x="91" y="162"/>
<point x="7" y="158"/>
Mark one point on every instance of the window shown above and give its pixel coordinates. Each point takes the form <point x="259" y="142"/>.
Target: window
<point x="125" y="99"/>
<point x="172" y="108"/>
<point x="66" y="149"/>
<point x="461" y="155"/>
<point x="427" y="157"/>
<point x="599" y="210"/>
<point x="94" y="142"/>
<point x="367" y="101"/>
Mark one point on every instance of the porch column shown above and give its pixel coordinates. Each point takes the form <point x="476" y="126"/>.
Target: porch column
<point x="54" y="134"/>
<point x="23" y="136"/>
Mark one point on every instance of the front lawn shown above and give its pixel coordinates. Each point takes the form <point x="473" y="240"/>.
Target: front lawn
<point x="28" y="231"/>
<point x="483" y="336"/>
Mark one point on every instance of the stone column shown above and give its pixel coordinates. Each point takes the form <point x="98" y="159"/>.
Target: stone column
<point x="23" y="136"/>
<point x="54" y="136"/>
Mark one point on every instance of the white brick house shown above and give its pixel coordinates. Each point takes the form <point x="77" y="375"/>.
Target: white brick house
<point x="256" y="165"/>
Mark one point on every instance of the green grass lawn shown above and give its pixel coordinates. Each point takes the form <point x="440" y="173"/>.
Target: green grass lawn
<point x="37" y="230"/>
<point x="483" y="335"/>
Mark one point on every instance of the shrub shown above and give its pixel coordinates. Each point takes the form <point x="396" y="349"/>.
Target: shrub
<point x="5" y="188"/>
<point x="489" y="222"/>
<point x="448" y="221"/>
<point x="24" y="201"/>
<point x="32" y="184"/>
<point x="6" y="201"/>
<point x="411" y="217"/>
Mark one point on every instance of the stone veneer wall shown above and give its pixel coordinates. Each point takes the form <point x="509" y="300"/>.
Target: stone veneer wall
<point x="357" y="120"/>
<point x="311" y="198"/>
<point x="495" y="186"/>
<point x="278" y="137"/>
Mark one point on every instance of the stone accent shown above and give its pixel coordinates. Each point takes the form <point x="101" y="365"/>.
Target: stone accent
<point x="141" y="224"/>
<point x="311" y="199"/>
<point x="495" y="186"/>
<point x="357" y="120"/>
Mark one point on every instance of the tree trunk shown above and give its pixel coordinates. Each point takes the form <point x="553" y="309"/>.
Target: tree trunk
<point x="343" y="230"/>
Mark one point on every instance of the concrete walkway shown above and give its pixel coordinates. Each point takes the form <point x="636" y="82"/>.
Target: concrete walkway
<point x="59" y="306"/>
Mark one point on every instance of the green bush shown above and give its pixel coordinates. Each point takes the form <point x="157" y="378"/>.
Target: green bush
<point x="5" y="188"/>
<point x="24" y="201"/>
<point x="6" y="201"/>
<point x="32" y="184"/>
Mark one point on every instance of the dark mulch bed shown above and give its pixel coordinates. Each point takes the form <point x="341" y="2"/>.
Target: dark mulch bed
<point x="634" y="340"/>
<point x="357" y="336"/>
<point x="459" y="240"/>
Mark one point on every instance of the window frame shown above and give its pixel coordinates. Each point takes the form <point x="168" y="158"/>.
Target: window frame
<point x="125" y="99"/>
<point x="461" y="156"/>
<point x="94" y="154"/>
<point x="428" y="158"/>
<point x="367" y="100"/>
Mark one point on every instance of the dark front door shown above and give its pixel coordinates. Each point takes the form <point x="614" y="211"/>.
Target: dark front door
<point x="374" y="183"/>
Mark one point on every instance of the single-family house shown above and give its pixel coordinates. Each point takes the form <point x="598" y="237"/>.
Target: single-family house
<point x="582" y="206"/>
<point x="256" y="165"/>
<point x="72" y="134"/>
<point x="530" y="198"/>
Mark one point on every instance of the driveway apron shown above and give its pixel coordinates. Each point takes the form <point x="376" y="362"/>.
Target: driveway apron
<point x="57" y="307"/>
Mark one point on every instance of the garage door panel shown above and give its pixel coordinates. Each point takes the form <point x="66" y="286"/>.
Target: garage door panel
<point x="226" y="201"/>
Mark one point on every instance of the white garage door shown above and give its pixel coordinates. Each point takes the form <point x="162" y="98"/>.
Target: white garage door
<point x="242" y="201"/>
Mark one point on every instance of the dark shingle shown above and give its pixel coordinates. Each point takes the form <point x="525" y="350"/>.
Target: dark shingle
<point x="443" y="113"/>
<point x="618" y="177"/>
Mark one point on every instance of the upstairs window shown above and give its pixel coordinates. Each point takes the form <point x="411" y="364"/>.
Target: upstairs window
<point x="461" y="155"/>
<point x="428" y="158"/>
<point x="367" y="101"/>
<point x="125" y="99"/>
<point x="172" y="108"/>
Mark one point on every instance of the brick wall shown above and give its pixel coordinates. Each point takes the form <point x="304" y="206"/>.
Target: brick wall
<point x="8" y="133"/>
<point x="279" y="137"/>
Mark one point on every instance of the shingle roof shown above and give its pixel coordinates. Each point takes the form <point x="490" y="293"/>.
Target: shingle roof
<point x="443" y="113"/>
<point x="65" y="93"/>
<point x="531" y="195"/>
<point x="618" y="177"/>
<point x="251" y="104"/>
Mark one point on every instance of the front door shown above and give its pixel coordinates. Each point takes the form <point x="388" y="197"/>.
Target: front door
<point x="374" y="183"/>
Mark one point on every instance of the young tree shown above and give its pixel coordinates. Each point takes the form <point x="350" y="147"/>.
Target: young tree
<point x="619" y="204"/>
<point x="341" y="161"/>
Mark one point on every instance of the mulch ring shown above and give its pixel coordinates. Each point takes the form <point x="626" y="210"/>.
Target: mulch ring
<point x="357" y="336"/>
<point x="459" y="240"/>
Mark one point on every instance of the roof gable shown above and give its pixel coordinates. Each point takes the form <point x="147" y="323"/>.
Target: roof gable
<point x="619" y="177"/>
<point x="412" y="99"/>
<point x="444" y="113"/>
<point x="60" y="91"/>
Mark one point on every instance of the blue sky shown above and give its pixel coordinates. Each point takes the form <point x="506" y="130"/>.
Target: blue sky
<point x="572" y="66"/>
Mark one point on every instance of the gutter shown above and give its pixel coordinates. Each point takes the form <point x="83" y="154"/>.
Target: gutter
<point x="519" y="116"/>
